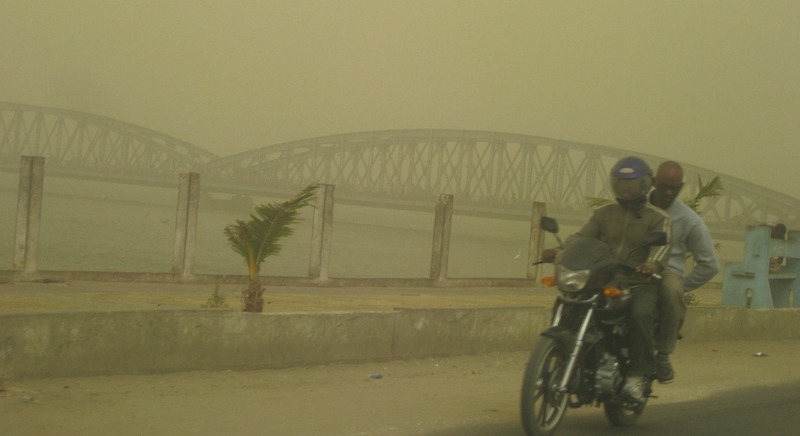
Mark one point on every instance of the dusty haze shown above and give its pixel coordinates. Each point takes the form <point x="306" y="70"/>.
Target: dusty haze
<point x="712" y="83"/>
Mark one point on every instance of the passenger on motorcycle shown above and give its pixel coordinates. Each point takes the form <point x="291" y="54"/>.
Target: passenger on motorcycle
<point x="689" y="235"/>
<point x="625" y="225"/>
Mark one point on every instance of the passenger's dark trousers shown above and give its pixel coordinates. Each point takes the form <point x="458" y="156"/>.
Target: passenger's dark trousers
<point x="671" y="312"/>
<point x="641" y="330"/>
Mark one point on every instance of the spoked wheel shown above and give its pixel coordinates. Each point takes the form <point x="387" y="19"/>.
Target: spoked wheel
<point x="623" y="414"/>
<point x="543" y="406"/>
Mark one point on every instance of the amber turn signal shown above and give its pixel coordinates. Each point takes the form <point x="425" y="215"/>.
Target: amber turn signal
<point x="612" y="292"/>
<point x="549" y="281"/>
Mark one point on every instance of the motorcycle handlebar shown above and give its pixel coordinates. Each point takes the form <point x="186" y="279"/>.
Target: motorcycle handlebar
<point x="656" y="276"/>
<point x="630" y="267"/>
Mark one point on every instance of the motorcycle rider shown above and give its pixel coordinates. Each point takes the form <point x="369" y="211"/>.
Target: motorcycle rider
<point x="625" y="225"/>
<point x="689" y="235"/>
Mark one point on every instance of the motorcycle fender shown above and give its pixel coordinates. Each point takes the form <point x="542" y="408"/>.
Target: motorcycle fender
<point x="562" y="335"/>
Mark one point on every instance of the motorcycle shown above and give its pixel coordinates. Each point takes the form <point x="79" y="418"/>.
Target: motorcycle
<point x="582" y="358"/>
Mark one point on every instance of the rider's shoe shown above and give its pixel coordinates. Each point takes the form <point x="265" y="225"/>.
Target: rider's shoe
<point x="634" y="388"/>
<point x="664" y="372"/>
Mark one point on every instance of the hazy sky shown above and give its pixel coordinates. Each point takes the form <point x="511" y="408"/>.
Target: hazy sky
<point x="712" y="83"/>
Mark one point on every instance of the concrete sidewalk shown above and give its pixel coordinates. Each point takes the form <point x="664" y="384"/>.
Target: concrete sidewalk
<point x="26" y="297"/>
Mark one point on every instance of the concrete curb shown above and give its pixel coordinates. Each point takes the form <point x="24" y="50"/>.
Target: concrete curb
<point x="102" y="343"/>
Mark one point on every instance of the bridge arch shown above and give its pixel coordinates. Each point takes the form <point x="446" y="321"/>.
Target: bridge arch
<point x="482" y="169"/>
<point x="491" y="173"/>
<point x="77" y="141"/>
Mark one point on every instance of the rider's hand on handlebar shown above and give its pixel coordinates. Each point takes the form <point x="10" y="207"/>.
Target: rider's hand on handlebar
<point x="646" y="269"/>
<point x="548" y="255"/>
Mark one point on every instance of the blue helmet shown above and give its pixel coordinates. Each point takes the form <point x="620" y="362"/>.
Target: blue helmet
<point x="631" y="181"/>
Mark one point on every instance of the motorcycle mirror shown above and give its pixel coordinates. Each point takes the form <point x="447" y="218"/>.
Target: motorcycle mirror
<point x="548" y="224"/>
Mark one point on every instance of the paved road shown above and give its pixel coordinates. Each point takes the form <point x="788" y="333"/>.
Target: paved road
<point x="722" y="388"/>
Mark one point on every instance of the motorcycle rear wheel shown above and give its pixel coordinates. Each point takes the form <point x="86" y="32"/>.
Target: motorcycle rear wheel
<point x="621" y="415"/>
<point x="542" y="405"/>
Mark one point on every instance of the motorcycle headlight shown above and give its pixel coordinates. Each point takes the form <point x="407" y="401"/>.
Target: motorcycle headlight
<point x="571" y="281"/>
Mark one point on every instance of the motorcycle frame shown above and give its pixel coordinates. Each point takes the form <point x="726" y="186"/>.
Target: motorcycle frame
<point x="579" y="338"/>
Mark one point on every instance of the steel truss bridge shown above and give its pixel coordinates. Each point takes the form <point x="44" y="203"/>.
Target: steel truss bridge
<point x="488" y="173"/>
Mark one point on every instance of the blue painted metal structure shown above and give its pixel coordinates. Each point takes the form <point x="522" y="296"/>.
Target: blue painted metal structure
<point x="751" y="284"/>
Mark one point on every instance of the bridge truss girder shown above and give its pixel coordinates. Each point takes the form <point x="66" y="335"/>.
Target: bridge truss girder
<point x="481" y="169"/>
<point x="488" y="172"/>
<point x="76" y="141"/>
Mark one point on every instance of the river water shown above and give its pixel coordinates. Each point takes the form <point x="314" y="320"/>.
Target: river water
<point x="96" y="226"/>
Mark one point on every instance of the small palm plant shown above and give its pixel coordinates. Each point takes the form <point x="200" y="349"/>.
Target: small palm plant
<point x="260" y="237"/>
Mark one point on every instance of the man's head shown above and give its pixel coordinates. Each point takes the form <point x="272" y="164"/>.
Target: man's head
<point x="668" y="184"/>
<point x="631" y="180"/>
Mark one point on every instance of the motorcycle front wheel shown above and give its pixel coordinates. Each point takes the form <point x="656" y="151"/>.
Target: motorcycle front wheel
<point x="542" y="404"/>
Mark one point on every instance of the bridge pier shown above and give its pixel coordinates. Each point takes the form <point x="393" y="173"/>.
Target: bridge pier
<point x="186" y="225"/>
<point x="321" y="234"/>
<point x="29" y="213"/>
<point x="441" y="237"/>
<point x="536" y="244"/>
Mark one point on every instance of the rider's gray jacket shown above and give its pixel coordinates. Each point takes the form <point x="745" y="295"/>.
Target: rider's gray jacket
<point x="625" y="229"/>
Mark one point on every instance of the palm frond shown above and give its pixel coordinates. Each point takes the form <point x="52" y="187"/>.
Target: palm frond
<point x="711" y="189"/>
<point x="707" y="190"/>
<point x="241" y="237"/>
<point x="238" y="236"/>
<point x="275" y="221"/>
<point x="260" y="237"/>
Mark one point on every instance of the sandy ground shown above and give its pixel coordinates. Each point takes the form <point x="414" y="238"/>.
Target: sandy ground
<point x="459" y="395"/>
<point x="467" y="395"/>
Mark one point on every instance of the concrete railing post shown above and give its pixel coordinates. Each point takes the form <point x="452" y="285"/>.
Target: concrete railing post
<point x="441" y="237"/>
<point x="29" y="213"/>
<point x="321" y="234"/>
<point x="186" y="224"/>
<point x="536" y="244"/>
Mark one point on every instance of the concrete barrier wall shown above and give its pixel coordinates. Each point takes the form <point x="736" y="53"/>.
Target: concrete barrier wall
<point x="78" y="344"/>
<point x="734" y="323"/>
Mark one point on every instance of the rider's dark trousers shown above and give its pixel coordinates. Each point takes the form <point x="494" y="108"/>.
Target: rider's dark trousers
<point x="641" y="330"/>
